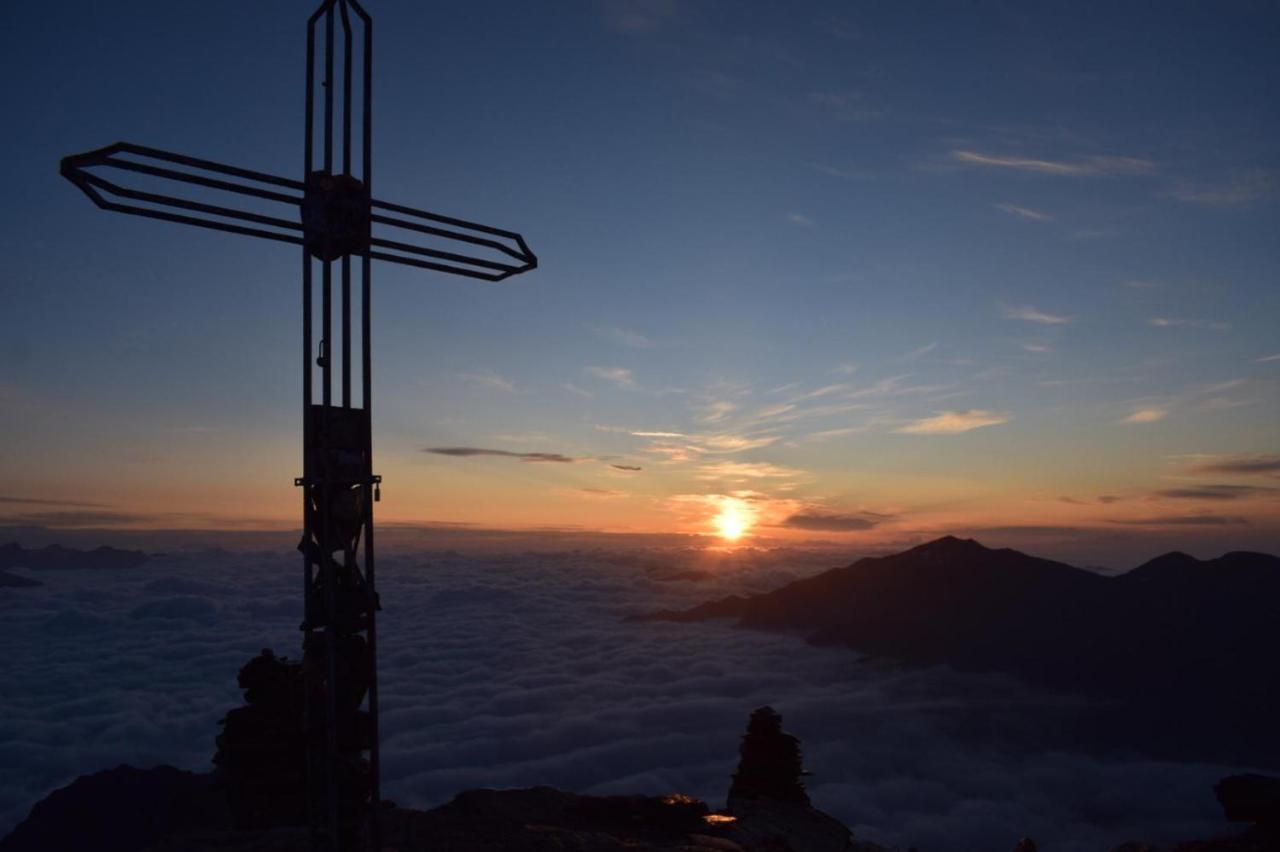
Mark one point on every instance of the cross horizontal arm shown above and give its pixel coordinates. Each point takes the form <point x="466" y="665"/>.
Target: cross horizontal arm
<point x="507" y="243"/>
<point x="502" y="253"/>
<point x="137" y="159"/>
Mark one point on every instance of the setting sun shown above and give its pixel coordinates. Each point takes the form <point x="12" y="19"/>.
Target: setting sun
<point x="734" y="519"/>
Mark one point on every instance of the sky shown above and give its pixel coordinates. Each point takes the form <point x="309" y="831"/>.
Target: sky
<point x="837" y="273"/>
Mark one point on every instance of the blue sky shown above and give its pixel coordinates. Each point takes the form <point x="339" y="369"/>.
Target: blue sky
<point x="993" y="256"/>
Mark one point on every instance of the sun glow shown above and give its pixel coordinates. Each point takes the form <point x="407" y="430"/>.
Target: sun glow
<point x="734" y="519"/>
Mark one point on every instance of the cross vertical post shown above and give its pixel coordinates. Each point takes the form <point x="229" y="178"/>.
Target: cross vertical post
<point x="339" y="486"/>
<point x="332" y="216"/>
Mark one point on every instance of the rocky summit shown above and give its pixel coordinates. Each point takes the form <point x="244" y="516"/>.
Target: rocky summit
<point x="252" y="801"/>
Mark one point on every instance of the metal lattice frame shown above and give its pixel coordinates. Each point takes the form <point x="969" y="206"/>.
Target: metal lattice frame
<point x="333" y="217"/>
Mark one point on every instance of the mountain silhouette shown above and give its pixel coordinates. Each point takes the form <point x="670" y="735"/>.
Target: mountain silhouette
<point x="57" y="558"/>
<point x="1185" y="646"/>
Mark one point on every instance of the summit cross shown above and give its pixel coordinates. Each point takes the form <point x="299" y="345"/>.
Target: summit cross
<point x="332" y="215"/>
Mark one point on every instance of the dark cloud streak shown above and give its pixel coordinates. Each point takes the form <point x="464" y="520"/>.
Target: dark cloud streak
<point x="1184" y="521"/>
<point x="1214" y="492"/>
<point x="1242" y="465"/>
<point x="827" y="522"/>
<point x="38" y="501"/>
<point x="465" y="452"/>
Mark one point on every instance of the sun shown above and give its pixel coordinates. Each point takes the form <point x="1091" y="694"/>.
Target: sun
<point x="734" y="519"/>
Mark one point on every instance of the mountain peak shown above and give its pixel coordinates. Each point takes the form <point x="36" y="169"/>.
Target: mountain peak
<point x="950" y="545"/>
<point x="1173" y="562"/>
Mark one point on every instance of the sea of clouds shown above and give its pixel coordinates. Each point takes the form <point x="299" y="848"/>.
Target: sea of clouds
<point x="515" y="670"/>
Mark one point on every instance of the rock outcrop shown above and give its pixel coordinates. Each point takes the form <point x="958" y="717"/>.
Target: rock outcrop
<point x="119" y="810"/>
<point x="1251" y="798"/>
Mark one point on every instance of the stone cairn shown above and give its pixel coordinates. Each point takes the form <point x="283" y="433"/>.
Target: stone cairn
<point x="261" y="752"/>
<point x="771" y="765"/>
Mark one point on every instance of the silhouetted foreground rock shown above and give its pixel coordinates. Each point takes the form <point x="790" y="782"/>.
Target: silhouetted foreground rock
<point x="253" y="802"/>
<point x="1188" y="645"/>
<point x="54" y="558"/>
<point x="1251" y="798"/>
<point x="119" y="810"/>
<point x="542" y="819"/>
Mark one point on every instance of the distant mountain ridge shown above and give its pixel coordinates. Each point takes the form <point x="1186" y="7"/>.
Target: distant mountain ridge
<point x="54" y="557"/>
<point x="1192" y="641"/>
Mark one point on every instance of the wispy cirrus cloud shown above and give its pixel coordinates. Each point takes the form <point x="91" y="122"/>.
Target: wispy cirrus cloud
<point x="831" y="434"/>
<point x="1080" y="167"/>
<point x="951" y="422"/>
<point x="716" y="410"/>
<point x="845" y="107"/>
<point x="1210" y="397"/>
<point x="1149" y="414"/>
<point x="1028" y="313"/>
<point x="733" y="443"/>
<point x="467" y="452"/>
<point x="826" y="390"/>
<point x="770" y="412"/>
<point x="622" y="336"/>
<point x="619" y="376"/>
<point x="488" y="379"/>
<point x="637" y="17"/>
<point x="1267" y="359"/>
<point x="799" y="219"/>
<point x="920" y="351"/>
<point x="843" y="174"/>
<point x="1182" y="322"/>
<point x="1022" y="212"/>
<point x="674" y="453"/>
<point x="743" y="471"/>
<point x="1240" y="188"/>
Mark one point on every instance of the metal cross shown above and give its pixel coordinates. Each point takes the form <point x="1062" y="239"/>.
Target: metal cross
<point x="331" y="214"/>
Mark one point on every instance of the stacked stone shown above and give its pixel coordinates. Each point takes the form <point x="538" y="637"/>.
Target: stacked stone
<point x="261" y="752"/>
<point x="771" y="765"/>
